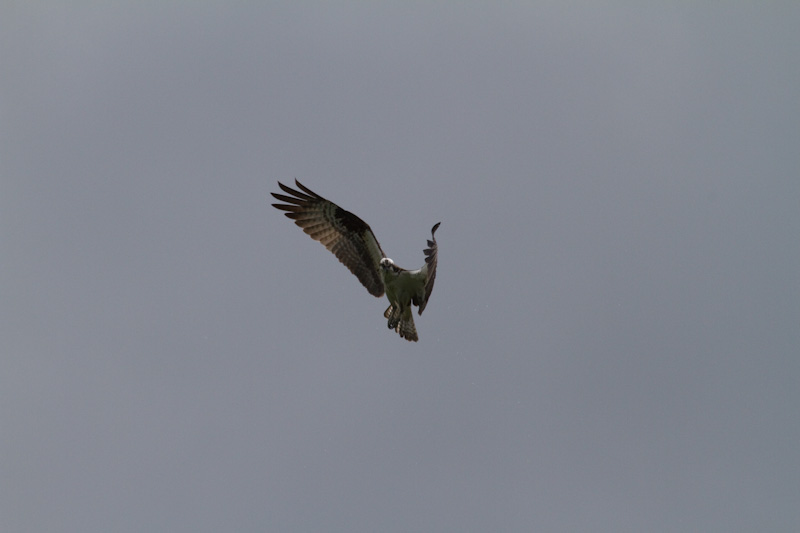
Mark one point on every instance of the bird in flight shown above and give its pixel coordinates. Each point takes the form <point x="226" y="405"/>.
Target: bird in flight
<point x="351" y="240"/>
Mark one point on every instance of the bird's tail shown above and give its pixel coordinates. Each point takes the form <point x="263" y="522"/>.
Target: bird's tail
<point x="402" y="321"/>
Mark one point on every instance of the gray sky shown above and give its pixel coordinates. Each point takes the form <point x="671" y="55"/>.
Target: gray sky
<point x="612" y="341"/>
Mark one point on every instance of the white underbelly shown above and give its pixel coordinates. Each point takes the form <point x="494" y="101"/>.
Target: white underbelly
<point x="402" y="288"/>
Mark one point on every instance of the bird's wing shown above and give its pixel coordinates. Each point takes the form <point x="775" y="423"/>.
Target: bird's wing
<point x="430" y="263"/>
<point x="349" y="238"/>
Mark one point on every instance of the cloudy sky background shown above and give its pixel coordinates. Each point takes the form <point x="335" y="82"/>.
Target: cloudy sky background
<point x="612" y="343"/>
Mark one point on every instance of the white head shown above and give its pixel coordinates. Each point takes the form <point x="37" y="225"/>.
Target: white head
<point x="387" y="264"/>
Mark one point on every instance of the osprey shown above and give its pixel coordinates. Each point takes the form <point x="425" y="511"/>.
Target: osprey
<point x="351" y="240"/>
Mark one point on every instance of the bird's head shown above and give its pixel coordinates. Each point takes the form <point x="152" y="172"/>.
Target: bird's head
<point x="387" y="265"/>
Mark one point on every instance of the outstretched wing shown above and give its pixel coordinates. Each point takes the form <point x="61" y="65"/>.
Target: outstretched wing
<point x="347" y="236"/>
<point x="430" y="263"/>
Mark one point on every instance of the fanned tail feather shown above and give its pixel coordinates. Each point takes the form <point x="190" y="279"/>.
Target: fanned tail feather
<point x="402" y="321"/>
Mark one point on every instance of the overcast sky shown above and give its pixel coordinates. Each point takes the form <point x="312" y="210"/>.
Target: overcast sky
<point x="612" y="342"/>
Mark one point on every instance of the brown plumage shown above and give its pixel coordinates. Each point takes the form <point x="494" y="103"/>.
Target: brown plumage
<point x="351" y="240"/>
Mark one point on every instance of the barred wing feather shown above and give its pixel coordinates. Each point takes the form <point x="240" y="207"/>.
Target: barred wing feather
<point x="349" y="238"/>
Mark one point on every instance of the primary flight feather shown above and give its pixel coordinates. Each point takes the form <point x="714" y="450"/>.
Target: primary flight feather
<point x="351" y="240"/>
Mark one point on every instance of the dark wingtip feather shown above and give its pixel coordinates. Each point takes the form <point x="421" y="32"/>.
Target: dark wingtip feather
<point x="297" y="194"/>
<point x="288" y="199"/>
<point x="306" y="189"/>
